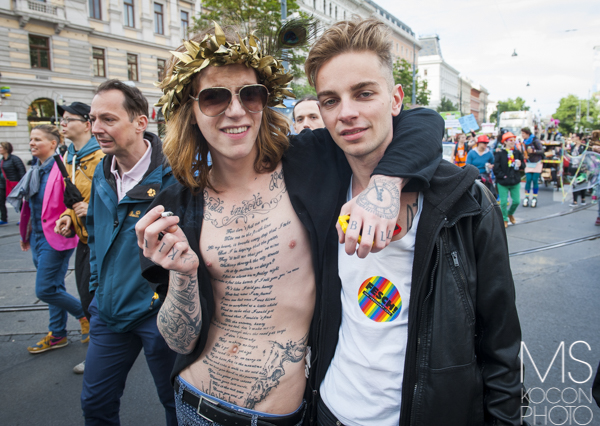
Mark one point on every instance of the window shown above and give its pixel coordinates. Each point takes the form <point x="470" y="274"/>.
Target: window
<point x="98" y="62"/>
<point x="39" y="52"/>
<point x="324" y="6"/>
<point x="425" y="73"/>
<point x="344" y="15"/>
<point x="160" y="65"/>
<point x="128" y="13"/>
<point x="95" y="8"/>
<point x="158" y="19"/>
<point x="329" y="9"/>
<point x="132" y="67"/>
<point x="336" y="13"/>
<point x="185" y="23"/>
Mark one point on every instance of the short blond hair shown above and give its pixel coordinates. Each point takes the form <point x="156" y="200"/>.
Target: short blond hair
<point x="357" y="35"/>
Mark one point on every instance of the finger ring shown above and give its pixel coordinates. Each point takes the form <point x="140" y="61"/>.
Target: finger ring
<point x="160" y="235"/>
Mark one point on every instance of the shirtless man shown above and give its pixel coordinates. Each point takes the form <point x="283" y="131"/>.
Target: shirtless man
<point x="245" y="251"/>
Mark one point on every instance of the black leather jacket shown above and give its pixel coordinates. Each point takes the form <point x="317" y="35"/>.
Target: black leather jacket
<point x="462" y="364"/>
<point x="13" y="168"/>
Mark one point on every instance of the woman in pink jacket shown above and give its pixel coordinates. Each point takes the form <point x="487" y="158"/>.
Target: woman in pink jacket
<point x="43" y="190"/>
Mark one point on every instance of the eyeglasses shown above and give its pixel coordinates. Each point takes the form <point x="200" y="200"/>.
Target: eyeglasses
<point x="214" y="101"/>
<point x="68" y="120"/>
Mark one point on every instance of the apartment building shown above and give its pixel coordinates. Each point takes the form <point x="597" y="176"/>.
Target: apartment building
<point x="58" y="52"/>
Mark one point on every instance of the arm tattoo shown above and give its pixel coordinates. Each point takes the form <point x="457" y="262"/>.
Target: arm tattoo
<point x="381" y="198"/>
<point x="179" y="319"/>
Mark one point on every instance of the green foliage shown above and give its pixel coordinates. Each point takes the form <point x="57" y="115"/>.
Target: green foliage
<point x="403" y="75"/>
<point x="446" y="105"/>
<point x="263" y="17"/>
<point x="301" y="90"/>
<point x="517" y="104"/>
<point x="572" y="113"/>
<point x="246" y="14"/>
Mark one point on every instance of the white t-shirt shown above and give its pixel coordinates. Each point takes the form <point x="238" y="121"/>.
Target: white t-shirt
<point x="363" y="385"/>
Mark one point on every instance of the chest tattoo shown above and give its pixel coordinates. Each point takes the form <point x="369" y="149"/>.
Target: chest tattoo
<point x="247" y="209"/>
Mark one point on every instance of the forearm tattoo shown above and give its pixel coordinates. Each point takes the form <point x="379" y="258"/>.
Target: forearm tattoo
<point x="381" y="198"/>
<point x="179" y="319"/>
<point x="256" y="204"/>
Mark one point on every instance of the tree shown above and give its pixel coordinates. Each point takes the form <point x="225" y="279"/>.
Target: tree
<point x="572" y="113"/>
<point x="446" y="105"/>
<point x="301" y="90"/>
<point x="263" y="17"/>
<point x="517" y="104"/>
<point x="403" y="75"/>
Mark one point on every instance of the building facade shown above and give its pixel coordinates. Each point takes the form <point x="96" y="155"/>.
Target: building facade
<point x="442" y="79"/>
<point x="58" y="53"/>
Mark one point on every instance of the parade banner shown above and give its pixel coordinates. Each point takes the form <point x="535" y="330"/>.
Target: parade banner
<point x="451" y="119"/>
<point x="468" y="123"/>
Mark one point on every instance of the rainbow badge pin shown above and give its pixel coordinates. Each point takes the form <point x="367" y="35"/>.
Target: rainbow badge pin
<point x="379" y="299"/>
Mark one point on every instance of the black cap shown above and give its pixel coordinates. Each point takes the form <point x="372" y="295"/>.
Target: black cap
<point x="77" y="108"/>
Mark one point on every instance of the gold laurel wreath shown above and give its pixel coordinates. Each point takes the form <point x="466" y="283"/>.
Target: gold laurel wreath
<point x="215" y="50"/>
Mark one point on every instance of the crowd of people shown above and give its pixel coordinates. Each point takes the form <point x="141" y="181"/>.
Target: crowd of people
<point x="504" y="161"/>
<point x="274" y="282"/>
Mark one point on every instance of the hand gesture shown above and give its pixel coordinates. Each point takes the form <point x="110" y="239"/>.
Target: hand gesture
<point x="164" y="243"/>
<point x="373" y="215"/>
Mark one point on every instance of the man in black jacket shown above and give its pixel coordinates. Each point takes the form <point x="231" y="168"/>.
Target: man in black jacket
<point x="451" y="358"/>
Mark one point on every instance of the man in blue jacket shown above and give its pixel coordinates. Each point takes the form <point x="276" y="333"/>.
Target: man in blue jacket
<point x="123" y="310"/>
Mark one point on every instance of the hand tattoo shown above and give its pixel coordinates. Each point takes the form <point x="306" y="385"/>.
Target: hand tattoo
<point x="382" y="200"/>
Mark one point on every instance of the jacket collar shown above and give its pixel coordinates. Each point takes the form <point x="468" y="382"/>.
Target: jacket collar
<point x="147" y="189"/>
<point x="449" y="193"/>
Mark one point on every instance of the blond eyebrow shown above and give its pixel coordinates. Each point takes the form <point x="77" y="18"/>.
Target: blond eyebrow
<point x="354" y="87"/>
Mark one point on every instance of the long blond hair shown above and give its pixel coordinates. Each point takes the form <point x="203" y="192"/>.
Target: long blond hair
<point x="186" y="147"/>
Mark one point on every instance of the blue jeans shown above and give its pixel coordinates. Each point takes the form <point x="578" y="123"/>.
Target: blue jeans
<point x="188" y="415"/>
<point x="50" y="288"/>
<point x="109" y="358"/>
<point x="532" y="178"/>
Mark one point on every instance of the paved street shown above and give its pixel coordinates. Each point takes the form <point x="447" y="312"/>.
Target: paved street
<point x="558" y="291"/>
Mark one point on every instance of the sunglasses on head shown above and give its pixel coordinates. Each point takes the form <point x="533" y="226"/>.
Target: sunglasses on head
<point x="214" y="101"/>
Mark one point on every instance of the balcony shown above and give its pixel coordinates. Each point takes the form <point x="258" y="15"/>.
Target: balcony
<point x="49" y="12"/>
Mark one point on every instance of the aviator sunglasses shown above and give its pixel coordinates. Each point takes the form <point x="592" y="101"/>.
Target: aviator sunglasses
<point x="214" y="101"/>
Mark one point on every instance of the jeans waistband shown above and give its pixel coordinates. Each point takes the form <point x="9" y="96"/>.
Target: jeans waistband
<point x="223" y="412"/>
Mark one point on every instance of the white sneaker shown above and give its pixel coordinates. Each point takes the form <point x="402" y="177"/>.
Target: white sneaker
<point x="79" y="368"/>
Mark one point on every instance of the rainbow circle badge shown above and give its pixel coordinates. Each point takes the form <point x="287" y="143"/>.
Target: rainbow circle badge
<point x="379" y="299"/>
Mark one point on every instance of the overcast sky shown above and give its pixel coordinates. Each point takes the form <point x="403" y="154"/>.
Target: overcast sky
<point x="478" y="37"/>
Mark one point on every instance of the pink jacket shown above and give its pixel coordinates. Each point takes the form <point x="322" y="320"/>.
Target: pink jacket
<point x="52" y="207"/>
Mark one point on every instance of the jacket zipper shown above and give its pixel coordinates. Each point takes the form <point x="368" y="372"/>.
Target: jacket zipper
<point x="437" y="261"/>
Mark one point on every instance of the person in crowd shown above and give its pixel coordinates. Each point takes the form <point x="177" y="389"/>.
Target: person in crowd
<point x="123" y="310"/>
<point x="483" y="159"/>
<point x="243" y="281"/>
<point x="436" y="307"/>
<point x="42" y="188"/>
<point x="508" y="162"/>
<point x="461" y="149"/>
<point x="11" y="172"/>
<point x="534" y="165"/>
<point x="307" y="114"/>
<point x="578" y="148"/>
<point x="83" y="155"/>
<point x="595" y="147"/>
<point x="493" y="142"/>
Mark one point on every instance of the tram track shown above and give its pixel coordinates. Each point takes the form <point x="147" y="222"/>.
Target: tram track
<point x="42" y="307"/>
